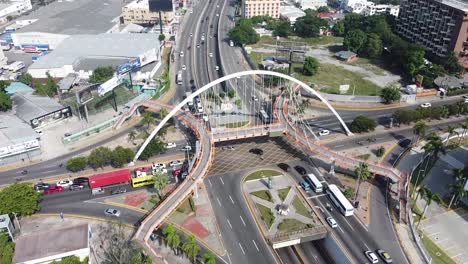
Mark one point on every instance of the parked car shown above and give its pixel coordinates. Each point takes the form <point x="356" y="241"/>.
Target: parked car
<point x="81" y="180"/>
<point x="41" y="186"/>
<point x="217" y="68"/>
<point x="371" y="256"/>
<point x="175" y="163"/>
<point x="426" y="105"/>
<point x="53" y="189"/>
<point x="176" y="172"/>
<point x="284" y="166"/>
<point x="76" y="187"/>
<point x="112" y="212"/>
<point x="158" y="166"/>
<point x="300" y="170"/>
<point x="254" y="98"/>
<point x="184" y="67"/>
<point x="256" y="151"/>
<point x="160" y="170"/>
<point x="171" y="145"/>
<point x="118" y="191"/>
<point x="187" y="148"/>
<point x="205" y="117"/>
<point x="332" y="222"/>
<point x="324" y="132"/>
<point x="181" y="53"/>
<point x="384" y="256"/>
<point x="65" y="183"/>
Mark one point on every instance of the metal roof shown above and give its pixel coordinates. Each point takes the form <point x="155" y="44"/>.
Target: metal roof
<point x="17" y="87"/>
<point x="28" y="106"/>
<point x="14" y="131"/>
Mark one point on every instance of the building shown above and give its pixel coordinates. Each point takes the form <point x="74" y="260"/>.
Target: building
<point x="17" y="139"/>
<point x="261" y="8"/>
<point x="14" y="8"/>
<point x="83" y="53"/>
<point x="6" y="225"/>
<point x="138" y="12"/>
<point x="441" y="26"/>
<point x="346" y="55"/>
<point x="291" y="13"/>
<point x="312" y="4"/>
<point x="51" y="245"/>
<point x="374" y="9"/>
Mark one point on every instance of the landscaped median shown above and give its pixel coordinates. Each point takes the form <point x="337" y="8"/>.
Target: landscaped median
<point x="261" y="174"/>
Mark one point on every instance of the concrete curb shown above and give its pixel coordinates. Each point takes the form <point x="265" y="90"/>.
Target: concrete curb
<point x="82" y="217"/>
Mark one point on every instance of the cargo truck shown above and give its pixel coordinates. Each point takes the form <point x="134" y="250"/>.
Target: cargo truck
<point x="109" y="178"/>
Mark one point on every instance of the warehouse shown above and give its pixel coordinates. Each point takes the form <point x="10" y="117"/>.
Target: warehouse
<point x="18" y="141"/>
<point x="82" y="54"/>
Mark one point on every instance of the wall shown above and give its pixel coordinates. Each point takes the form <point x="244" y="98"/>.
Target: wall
<point x="53" y="40"/>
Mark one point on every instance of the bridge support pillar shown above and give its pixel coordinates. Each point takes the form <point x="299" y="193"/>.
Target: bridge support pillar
<point x="195" y="191"/>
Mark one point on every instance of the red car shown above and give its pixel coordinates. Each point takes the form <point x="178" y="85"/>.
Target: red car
<point x="176" y="173"/>
<point x="53" y="189"/>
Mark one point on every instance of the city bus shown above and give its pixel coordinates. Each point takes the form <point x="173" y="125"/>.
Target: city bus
<point x="142" y="181"/>
<point x="315" y="183"/>
<point x="337" y="197"/>
<point x="179" y="77"/>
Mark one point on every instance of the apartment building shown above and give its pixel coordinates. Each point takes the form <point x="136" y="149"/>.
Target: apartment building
<point x="13" y="8"/>
<point x="312" y="4"/>
<point x="374" y="9"/>
<point x="261" y="8"/>
<point x="440" y="26"/>
<point x="138" y="12"/>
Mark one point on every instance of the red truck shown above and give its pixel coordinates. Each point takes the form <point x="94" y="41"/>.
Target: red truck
<point x="109" y="178"/>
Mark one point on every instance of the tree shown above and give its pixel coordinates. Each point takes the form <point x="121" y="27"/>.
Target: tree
<point x="338" y="29"/>
<point x="231" y="93"/>
<point x="161" y="37"/>
<point x="160" y="182"/>
<point x="380" y="151"/>
<point x="311" y="66"/>
<point x="429" y="196"/>
<point x="209" y="258"/>
<point x="420" y="192"/>
<point x="309" y="26"/>
<point x="355" y="40"/>
<point x="99" y="157"/>
<point x="101" y="74"/>
<point x="452" y="65"/>
<point x="140" y="258"/>
<point x="173" y="241"/>
<point x="451" y="131"/>
<point x="458" y="192"/>
<point x="413" y="59"/>
<point x="464" y="126"/>
<point x="26" y="78"/>
<point x="362" y="174"/>
<point x="3" y="85"/>
<point x="47" y="89"/>
<point x="163" y="113"/>
<point x="118" y="249"/>
<point x="70" y="260"/>
<point x="402" y="116"/>
<point x="362" y="124"/>
<point x="419" y="129"/>
<point x="132" y="136"/>
<point x="147" y="119"/>
<point x="19" y="198"/>
<point x="76" y="164"/>
<point x="191" y="247"/>
<point x="5" y="102"/>
<point x="282" y="29"/>
<point x="323" y="9"/>
<point x="121" y="156"/>
<point x="373" y="46"/>
<point x="352" y="22"/>
<point x="7" y="248"/>
<point x="244" y="33"/>
<point x="390" y="94"/>
<point x="434" y="145"/>
<point x="155" y="146"/>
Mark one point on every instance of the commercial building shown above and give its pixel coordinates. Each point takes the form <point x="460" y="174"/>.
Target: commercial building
<point x="261" y="8"/>
<point x="82" y="54"/>
<point x="14" y="8"/>
<point x="441" y="26"/>
<point x="374" y="9"/>
<point x="312" y="4"/>
<point x="52" y="245"/>
<point x="138" y="12"/>
<point x="17" y="139"/>
<point x="291" y="13"/>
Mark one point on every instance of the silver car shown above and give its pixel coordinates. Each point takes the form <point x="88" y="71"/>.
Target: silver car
<point x="112" y="212"/>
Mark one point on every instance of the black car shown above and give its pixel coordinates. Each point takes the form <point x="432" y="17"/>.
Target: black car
<point x="284" y="166"/>
<point x="300" y="170"/>
<point x="81" y="180"/>
<point x="76" y="187"/>
<point x="193" y="88"/>
<point x="118" y="191"/>
<point x="215" y="35"/>
<point x="41" y="186"/>
<point x="256" y="151"/>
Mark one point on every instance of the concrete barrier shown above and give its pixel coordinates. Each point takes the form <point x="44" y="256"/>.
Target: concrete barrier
<point x="334" y="251"/>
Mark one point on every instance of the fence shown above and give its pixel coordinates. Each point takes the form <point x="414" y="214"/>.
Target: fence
<point x="90" y="131"/>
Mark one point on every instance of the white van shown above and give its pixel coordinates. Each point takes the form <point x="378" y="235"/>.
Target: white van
<point x="199" y="108"/>
<point x="231" y="43"/>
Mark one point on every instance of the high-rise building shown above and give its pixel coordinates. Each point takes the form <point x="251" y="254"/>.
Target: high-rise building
<point x="261" y="8"/>
<point x="138" y="12"/>
<point x="440" y="26"/>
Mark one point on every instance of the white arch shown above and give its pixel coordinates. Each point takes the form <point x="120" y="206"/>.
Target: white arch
<point x="228" y="77"/>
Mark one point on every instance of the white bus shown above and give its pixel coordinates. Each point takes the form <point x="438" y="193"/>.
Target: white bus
<point x="315" y="183"/>
<point x="179" y="77"/>
<point x="263" y="116"/>
<point x="340" y="200"/>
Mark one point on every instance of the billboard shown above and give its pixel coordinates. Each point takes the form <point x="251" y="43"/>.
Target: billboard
<point x="129" y="66"/>
<point x="109" y="85"/>
<point x="160" y="5"/>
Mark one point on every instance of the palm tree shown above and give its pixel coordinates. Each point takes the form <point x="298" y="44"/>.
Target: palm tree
<point x="191" y="247"/>
<point x="420" y="192"/>
<point x="464" y="125"/>
<point x="419" y="129"/>
<point x="451" y="131"/>
<point x="168" y="231"/>
<point x="429" y="196"/>
<point x="460" y="107"/>
<point x="458" y="174"/>
<point x="174" y="242"/>
<point x="209" y="258"/>
<point x="132" y="136"/>
<point x="163" y="113"/>
<point x="362" y="173"/>
<point x="435" y="143"/>
<point x="458" y="191"/>
<point x="160" y="182"/>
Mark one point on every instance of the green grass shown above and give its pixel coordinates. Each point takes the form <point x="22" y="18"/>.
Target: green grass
<point x="364" y="156"/>
<point x="321" y="40"/>
<point x="236" y="125"/>
<point x="300" y="207"/>
<point x="437" y="254"/>
<point x="289" y="225"/>
<point x="329" y="78"/>
<point x="260" y="173"/>
<point x="374" y="66"/>
<point x="263" y="194"/>
<point x="257" y="57"/>
<point x="266" y="214"/>
<point x="282" y="193"/>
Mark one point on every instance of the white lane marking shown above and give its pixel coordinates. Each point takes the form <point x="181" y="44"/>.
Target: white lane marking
<point x="221" y="180"/>
<point x="316" y="196"/>
<point x="256" y="245"/>
<point x="229" y="223"/>
<point x="210" y="182"/>
<point x="348" y="224"/>
<point x="241" y="248"/>
<point x="359" y="221"/>
<point x="339" y="227"/>
<point x="232" y="201"/>
<point x="366" y="246"/>
<point x="242" y="219"/>
<point x="218" y="201"/>
<point x="337" y="146"/>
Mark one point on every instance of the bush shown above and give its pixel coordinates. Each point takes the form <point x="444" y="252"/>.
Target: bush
<point x="363" y="124"/>
<point x="121" y="156"/>
<point x="76" y="164"/>
<point x="99" y="157"/>
<point x="380" y="151"/>
<point x="349" y="193"/>
<point x="457" y="92"/>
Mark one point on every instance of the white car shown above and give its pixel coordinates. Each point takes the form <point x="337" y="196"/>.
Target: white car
<point x="205" y="118"/>
<point x="158" y="166"/>
<point x="181" y="53"/>
<point x="65" y="183"/>
<point x="211" y="54"/>
<point x="202" y="38"/>
<point x="198" y="46"/>
<point x="187" y="148"/>
<point x="217" y="68"/>
<point x="254" y="98"/>
<point x="171" y="145"/>
<point x="112" y="212"/>
<point x="332" y="222"/>
<point x="39" y="132"/>
<point x="324" y="132"/>
<point x="183" y="67"/>
<point x="162" y="170"/>
<point x="426" y="105"/>
<point x="175" y="163"/>
<point x="191" y="11"/>
<point x="371" y="256"/>
<point x="217" y="14"/>
<point x="191" y="35"/>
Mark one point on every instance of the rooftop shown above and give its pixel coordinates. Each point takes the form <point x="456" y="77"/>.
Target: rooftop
<point x="461" y="5"/>
<point x="28" y="106"/>
<point x="291" y="11"/>
<point x="50" y="243"/>
<point x="75" y="17"/>
<point x="14" y="131"/>
<point x="17" y="87"/>
<point x="81" y="50"/>
<point x="345" y="54"/>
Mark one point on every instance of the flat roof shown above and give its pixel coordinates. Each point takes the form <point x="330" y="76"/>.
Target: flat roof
<point x="51" y="242"/>
<point x="28" y="106"/>
<point x="84" y="48"/>
<point x="14" y="130"/>
<point x="461" y="5"/>
<point x="75" y="17"/>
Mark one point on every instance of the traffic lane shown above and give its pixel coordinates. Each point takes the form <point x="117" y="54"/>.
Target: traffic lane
<point x="241" y="231"/>
<point x="288" y="256"/>
<point x="311" y="254"/>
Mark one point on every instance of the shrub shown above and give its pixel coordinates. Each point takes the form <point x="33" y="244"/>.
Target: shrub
<point x="380" y="151"/>
<point x="363" y="124"/>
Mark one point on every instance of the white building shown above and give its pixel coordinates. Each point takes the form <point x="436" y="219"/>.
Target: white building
<point x="312" y="4"/>
<point x="291" y="13"/>
<point x="373" y="9"/>
<point x="14" y="8"/>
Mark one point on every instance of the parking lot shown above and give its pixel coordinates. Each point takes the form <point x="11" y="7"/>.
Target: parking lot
<point x="239" y="158"/>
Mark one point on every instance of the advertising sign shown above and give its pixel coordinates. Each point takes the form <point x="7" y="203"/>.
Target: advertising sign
<point x="129" y="66"/>
<point x="109" y="85"/>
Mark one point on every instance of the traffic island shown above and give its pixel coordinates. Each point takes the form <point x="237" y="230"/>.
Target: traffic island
<point x="280" y="214"/>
